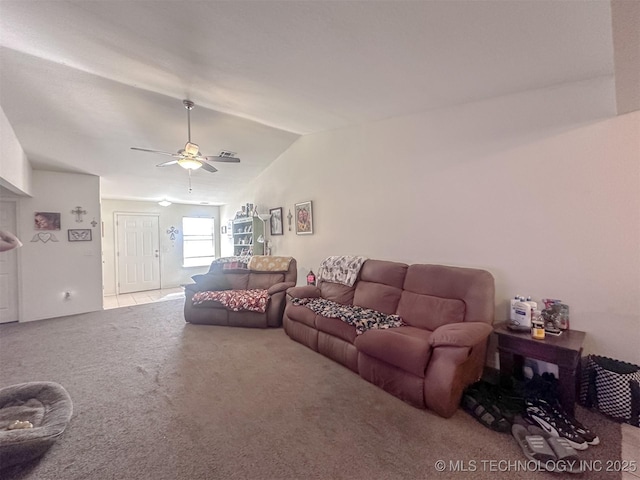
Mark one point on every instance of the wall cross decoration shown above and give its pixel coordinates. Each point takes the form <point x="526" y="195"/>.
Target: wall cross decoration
<point x="173" y="231"/>
<point x="289" y="217"/>
<point x="78" y="212"/>
<point x="94" y="223"/>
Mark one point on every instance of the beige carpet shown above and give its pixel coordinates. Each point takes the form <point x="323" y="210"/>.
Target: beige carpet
<point x="155" y="398"/>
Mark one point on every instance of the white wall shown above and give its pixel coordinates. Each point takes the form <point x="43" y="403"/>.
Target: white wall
<point x="15" y="169"/>
<point x="542" y="189"/>
<point x="172" y="273"/>
<point x="50" y="269"/>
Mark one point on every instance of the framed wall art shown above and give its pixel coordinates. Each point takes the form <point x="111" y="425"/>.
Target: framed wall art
<point x="275" y="221"/>
<point x="46" y="221"/>
<point x="304" y="218"/>
<point x="79" y="234"/>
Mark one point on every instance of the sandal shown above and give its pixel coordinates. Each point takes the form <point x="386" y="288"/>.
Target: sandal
<point x="554" y="454"/>
<point x="481" y="408"/>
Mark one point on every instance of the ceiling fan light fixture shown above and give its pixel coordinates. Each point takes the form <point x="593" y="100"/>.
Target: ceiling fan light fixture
<point x="191" y="149"/>
<point x="189" y="163"/>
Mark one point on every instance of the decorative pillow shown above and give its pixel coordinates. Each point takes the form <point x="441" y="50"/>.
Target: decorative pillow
<point x="211" y="282"/>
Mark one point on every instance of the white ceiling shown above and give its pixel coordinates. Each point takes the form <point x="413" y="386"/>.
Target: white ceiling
<point x="82" y="81"/>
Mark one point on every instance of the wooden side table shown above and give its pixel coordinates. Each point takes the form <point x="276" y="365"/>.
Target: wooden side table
<point x="564" y="350"/>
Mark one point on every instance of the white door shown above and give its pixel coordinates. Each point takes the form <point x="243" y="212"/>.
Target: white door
<point x="8" y="267"/>
<point x="138" y="253"/>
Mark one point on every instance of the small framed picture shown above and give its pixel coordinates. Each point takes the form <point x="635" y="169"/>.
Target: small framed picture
<point x="304" y="218"/>
<point x="223" y="230"/>
<point x="276" y="221"/>
<point x="79" y="235"/>
<point x="46" y="221"/>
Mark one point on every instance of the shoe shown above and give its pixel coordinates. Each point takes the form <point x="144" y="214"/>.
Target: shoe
<point x="534" y="447"/>
<point x="567" y="459"/>
<point x="545" y="387"/>
<point x="590" y="437"/>
<point x="542" y="414"/>
<point x="480" y="402"/>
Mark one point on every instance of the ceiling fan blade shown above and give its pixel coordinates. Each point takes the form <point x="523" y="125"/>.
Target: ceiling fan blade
<point x="209" y="168"/>
<point x="170" y="162"/>
<point x="224" y="159"/>
<point x="155" y="151"/>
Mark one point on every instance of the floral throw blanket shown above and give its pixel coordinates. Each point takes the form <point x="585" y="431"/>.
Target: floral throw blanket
<point x="362" y="318"/>
<point x="236" y="300"/>
<point x="343" y="269"/>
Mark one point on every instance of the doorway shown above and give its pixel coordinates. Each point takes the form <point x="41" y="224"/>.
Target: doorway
<point x="8" y="267"/>
<point x="137" y="252"/>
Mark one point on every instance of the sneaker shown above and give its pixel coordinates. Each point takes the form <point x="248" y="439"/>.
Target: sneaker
<point x="478" y="401"/>
<point x="542" y="414"/>
<point x="590" y="437"/>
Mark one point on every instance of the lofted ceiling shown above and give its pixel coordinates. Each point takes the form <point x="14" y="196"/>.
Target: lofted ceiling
<point x="83" y="81"/>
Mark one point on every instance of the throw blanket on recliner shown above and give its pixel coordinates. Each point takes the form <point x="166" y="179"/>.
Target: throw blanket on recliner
<point x="236" y="300"/>
<point x="343" y="269"/>
<point x="362" y="318"/>
<point x="269" y="263"/>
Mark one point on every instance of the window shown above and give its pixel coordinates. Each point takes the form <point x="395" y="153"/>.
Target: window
<point x="198" y="242"/>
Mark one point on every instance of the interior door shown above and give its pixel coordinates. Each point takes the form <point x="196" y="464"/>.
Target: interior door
<point x="8" y="267"/>
<point x="138" y="253"/>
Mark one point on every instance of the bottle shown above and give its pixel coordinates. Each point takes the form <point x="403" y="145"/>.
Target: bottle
<point x="311" y="278"/>
<point x="534" y="305"/>
<point x="512" y="312"/>
<point x="537" y="326"/>
<point x="522" y="314"/>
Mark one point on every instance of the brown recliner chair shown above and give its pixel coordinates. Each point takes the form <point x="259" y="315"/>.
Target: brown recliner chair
<point x="219" y="278"/>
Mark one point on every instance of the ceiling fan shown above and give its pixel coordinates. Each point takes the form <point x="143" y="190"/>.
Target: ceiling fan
<point x="190" y="157"/>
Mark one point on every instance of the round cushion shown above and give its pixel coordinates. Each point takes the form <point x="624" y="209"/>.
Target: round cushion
<point x="46" y="405"/>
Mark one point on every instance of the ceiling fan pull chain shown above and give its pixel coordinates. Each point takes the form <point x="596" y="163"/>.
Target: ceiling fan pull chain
<point x="189" y="181"/>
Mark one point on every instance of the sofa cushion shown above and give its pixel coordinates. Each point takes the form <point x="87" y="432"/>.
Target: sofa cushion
<point x="210" y="281"/>
<point x="407" y="348"/>
<point x="380" y="285"/>
<point x="336" y="327"/>
<point x="264" y="280"/>
<point x="381" y="271"/>
<point x="377" y="296"/>
<point x="427" y="311"/>
<point x="337" y="293"/>
<point x="238" y="281"/>
<point x="475" y="287"/>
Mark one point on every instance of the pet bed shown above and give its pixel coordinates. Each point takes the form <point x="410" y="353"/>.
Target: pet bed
<point x="44" y="405"/>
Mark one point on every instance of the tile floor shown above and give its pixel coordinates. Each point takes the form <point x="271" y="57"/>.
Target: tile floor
<point x="137" y="298"/>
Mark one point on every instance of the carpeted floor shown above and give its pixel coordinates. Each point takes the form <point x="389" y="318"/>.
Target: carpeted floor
<point x="155" y="398"/>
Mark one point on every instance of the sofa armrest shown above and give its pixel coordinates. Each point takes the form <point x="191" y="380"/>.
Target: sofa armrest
<point x="306" y="291"/>
<point x="464" y="334"/>
<point x="280" y="287"/>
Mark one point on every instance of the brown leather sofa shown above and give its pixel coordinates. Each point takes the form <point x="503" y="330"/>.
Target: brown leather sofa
<point x="218" y="278"/>
<point x="427" y="363"/>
